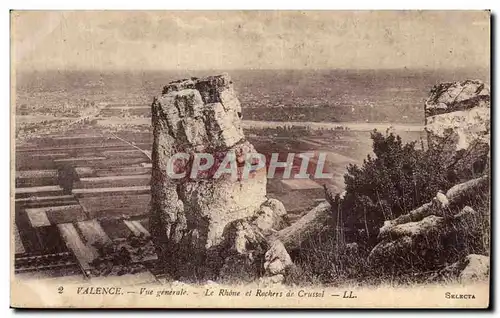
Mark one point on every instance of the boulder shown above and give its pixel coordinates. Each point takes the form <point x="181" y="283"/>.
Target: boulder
<point x="248" y="251"/>
<point x="276" y="259"/>
<point x="428" y="243"/>
<point x="469" y="269"/>
<point x="305" y="228"/>
<point x="473" y="267"/>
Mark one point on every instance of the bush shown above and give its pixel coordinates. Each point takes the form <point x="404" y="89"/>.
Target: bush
<point x="398" y="179"/>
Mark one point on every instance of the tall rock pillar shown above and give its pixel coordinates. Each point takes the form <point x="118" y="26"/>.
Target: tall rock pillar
<point x="191" y="215"/>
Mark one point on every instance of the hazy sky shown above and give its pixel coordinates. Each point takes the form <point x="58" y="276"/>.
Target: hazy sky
<point x="144" y="40"/>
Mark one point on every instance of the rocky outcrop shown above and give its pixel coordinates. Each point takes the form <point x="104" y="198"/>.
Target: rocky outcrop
<point x="459" y="96"/>
<point x="208" y="226"/>
<point x="248" y="251"/>
<point x="455" y="197"/>
<point x="449" y="227"/>
<point x="457" y="117"/>
<point x="431" y="235"/>
<point x="307" y="227"/>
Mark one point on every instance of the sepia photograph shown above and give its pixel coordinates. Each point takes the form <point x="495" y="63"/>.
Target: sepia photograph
<point x="250" y="159"/>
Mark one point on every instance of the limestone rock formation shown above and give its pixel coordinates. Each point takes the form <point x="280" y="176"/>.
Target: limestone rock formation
<point x="204" y="224"/>
<point x="471" y="268"/>
<point x="449" y="97"/>
<point x="457" y="119"/>
<point x="425" y="244"/>
<point x="456" y="196"/>
<point x="247" y="250"/>
<point x="308" y="226"/>
<point x="432" y="235"/>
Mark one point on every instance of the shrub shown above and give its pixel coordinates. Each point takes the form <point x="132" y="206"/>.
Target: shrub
<point x="399" y="178"/>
